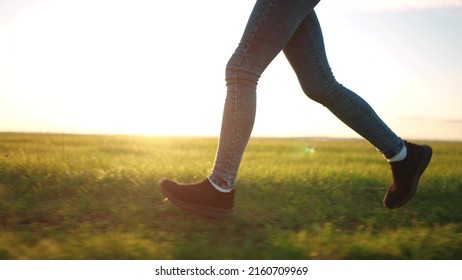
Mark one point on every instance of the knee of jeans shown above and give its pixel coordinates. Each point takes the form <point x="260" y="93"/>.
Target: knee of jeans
<point x="323" y="92"/>
<point x="238" y="73"/>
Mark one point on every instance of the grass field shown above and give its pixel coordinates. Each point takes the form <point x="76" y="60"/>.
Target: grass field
<point x="96" y="197"/>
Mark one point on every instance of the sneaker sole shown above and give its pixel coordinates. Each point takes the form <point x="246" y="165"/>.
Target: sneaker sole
<point x="208" y="211"/>
<point x="420" y="170"/>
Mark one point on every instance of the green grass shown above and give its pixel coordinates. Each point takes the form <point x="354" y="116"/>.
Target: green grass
<point x="96" y="197"/>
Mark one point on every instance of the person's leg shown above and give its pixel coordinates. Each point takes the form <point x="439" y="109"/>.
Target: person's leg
<point x="305" y="52"/>
<point x="270" y="26"/>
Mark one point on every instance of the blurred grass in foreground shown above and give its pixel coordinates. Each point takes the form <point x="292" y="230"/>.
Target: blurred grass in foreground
<point x="96" y="197"/>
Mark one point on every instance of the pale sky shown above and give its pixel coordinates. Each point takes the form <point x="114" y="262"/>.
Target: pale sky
<point x="157" y="67"/>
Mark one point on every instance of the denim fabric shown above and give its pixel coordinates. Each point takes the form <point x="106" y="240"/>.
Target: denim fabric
<point x="290" y="26"/>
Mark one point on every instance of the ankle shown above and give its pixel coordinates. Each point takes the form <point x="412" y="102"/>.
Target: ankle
<point x="217" y="186"/>
<point x="399" y="156"/>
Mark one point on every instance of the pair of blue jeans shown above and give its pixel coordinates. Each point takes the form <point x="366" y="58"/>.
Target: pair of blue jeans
<point x="290" y="26"/>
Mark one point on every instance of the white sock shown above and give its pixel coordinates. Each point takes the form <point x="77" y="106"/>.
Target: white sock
<point x="218" y="188"/>
<point x="400" y="156"/>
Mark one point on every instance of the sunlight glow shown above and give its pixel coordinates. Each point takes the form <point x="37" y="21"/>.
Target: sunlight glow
<point x="145" y="67"/>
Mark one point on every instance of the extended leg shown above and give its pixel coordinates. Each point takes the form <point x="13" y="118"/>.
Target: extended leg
<point x="408" y="161"/>
<point x="306" y="53"/>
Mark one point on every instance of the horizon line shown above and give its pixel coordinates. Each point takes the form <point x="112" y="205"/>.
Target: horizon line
<point x="318" y="137"/>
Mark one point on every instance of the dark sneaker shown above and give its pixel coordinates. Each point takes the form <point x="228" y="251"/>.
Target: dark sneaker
<point x="201" y="198"/>
<point x="406" y="175"/>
